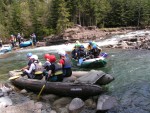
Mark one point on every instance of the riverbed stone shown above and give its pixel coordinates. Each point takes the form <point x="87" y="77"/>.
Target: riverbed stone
<point x="38" y="111"/>
<point x="76" y="105"/>
<point x="26" y="107"/>
<point x="23" y="91"/>
<point x="49" y="97"/>
<point x="62" y="102"/>
<point x="1" y="94"/>
<point x="53" y="111"/>
<point x="90" y="103"/>
<point x="5" y="88"/>
<point x="62" y="110"/>
<point x="38" y="105"/>
<point x="5" y="101"/>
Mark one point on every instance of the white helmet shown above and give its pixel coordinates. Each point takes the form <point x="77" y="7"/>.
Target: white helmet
<point x="62" y="52"/>
<point x="35" y="57"/>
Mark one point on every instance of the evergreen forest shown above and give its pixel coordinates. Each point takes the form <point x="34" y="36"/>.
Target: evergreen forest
<point x="46" y="17"/>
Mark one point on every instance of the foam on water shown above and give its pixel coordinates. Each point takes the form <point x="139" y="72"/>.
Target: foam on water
<point x="111" y="41"/>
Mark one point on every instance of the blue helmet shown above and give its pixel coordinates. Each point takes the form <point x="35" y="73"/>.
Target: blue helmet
<point x="90" y="42"/>
<point x="81" y="46"/>
<point x="29" y="54"/>
<point x="94" y="46"/>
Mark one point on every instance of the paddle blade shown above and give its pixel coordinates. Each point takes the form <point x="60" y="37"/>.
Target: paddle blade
<point x="41" y="92"/>
<point x="80" y="60"/>
<point x="15" y="77"/>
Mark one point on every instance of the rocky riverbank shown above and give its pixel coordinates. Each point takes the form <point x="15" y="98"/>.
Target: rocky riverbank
<point x="138" y="41"/>
<point x="13" y="100"/>
<point x="83" y="34"/>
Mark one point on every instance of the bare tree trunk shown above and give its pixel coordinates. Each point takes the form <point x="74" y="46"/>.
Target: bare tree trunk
<point x="79" y="18"/>
<point x="139" y="13"/>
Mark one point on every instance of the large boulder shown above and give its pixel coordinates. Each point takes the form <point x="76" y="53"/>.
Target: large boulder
<point x="76" y="105"/>
<point x="106" y="102"/>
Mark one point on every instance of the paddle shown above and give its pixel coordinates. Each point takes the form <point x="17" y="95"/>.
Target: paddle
<point x="14" y="77"/>
<point x="80" y="60"/>
<point x="19" y="72"/>
<point x="41" y="90"/>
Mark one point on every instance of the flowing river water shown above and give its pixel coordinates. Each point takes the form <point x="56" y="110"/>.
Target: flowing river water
<point x="130" y="68"/>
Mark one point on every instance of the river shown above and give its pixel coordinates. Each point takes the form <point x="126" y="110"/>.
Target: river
<point x="131" y="69"/>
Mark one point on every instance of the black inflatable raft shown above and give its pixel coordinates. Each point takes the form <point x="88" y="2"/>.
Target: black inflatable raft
<point x="58" y="88"/>
<point x="84" y="84"/>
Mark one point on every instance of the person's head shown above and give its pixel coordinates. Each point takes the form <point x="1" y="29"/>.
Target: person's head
<point x="34" y="57"/>
<point x="52" y="58"/>
<point x="11" y="35"/>
<point x="62" y="53"/>
<point x="33" y="34"/>
<point x="81" y="47"/>
<point x="77" y="42"/>
<point x="76" y="46"/>
<point x="29" y="55"/>
<point x="90" y="42"/>
<point x="46" y="56"/>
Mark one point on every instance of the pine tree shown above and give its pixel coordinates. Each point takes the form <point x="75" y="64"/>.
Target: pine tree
<point x="16" y="20"/>
<point x="34" y="15"/>
<point x="63" y="14"/>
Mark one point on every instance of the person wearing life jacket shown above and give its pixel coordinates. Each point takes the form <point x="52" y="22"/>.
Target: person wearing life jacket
<point x="29" y="61"/>
<point x="81" y="52"/>
<point x="55" y="72"/>
<point x="19" y="37"/>
<point x="90" y="45"/>
<point x="35" y="70"/>
<point x="74" y="52"/>
<point x="66" y="64"/>
<point x="46" y="65"/>
<point x="77" y="44"/>
<point x="12" y="40"/>
<point x="33" y="36"/>
<point x="95" y="52"/>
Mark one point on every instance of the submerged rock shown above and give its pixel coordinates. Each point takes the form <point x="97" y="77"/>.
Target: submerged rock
<point x="106" y="102"/>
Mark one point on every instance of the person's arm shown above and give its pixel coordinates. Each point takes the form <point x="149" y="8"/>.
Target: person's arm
<point x="47" y="63"/>
<point x="61" y="61"/>
<point x="50" y="68"/>
<point x="49" y="73"/>
<point x="30" y="69"/>
<point x="26" y="67"/>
